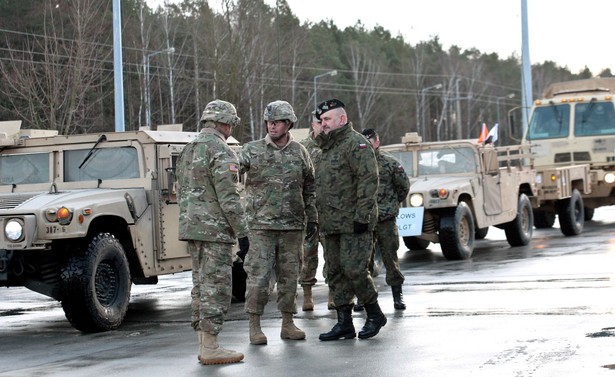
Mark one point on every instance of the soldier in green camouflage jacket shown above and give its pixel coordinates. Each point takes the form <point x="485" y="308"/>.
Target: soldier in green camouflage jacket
<point x="211" y="218"/>
<point x="392" y="189"/>
<point x="279" y="202"/>
<point x="307" y="278"/>
<point x="347" y="187"/>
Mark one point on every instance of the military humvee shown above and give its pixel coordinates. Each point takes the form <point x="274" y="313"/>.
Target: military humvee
<point x="85" y="216"/>
<point x="463" y="187"/>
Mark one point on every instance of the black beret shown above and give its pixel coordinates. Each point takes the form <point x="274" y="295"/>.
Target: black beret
<point x="369" y="133"/>
<point x="327" y="105"/>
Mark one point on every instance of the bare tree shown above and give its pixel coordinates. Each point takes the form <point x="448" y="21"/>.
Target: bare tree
<point x="57" y="80"/>
<point x="365" y="70"/>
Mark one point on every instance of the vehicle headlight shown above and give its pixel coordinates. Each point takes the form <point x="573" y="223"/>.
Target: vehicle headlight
<point x="416" y="200"/>
<point x="609" y="177"/>
<point x="13" y="230"/>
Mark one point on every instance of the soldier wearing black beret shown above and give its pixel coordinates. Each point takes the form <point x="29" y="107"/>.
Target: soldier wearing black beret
<point x="346" y="195"/>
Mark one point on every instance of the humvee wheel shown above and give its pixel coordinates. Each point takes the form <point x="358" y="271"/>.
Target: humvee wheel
<point x="457" y="233"/>
<point x="544" y="219"/>
<point x="519" y="231"/>
<point x="415" y="243"/>
<point x="571" y="214"/>
<point x="96" y="285"/>
<point x="481" y="233"/>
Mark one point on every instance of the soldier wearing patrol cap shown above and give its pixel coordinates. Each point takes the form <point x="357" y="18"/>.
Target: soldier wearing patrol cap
<point x="393" y="187"/>
<point x="309" y="267"/>
<point x="211" y="218"/>
<point x="347" y="188"/>
<point x="280" y="204"/>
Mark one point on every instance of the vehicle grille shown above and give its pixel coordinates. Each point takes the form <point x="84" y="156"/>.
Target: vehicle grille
<point x="11" y="201"/>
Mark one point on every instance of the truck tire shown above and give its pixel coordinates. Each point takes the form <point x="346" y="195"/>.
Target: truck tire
<point x="457" y="233"/>
<point x="481" y="233"/>
<point x="571" y="214"/>
<point x="95" y="285"/>
<point x="519" y="231"/>
<point x="544" y="219"/>
<point x="415" y="243"/>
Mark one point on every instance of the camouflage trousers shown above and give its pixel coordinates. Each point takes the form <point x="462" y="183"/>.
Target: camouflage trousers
<point x="274" y="257"/>
<point x="310" y="260"/>
<point x="211" y="284"/>
<point x="347" y="258"/>
<point x="386" y="237"/>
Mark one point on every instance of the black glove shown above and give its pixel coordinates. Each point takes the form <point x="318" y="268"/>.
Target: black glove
<point x="311" y="230"/>
<point x="360" y="227"/>
<point x="244" y="246"/>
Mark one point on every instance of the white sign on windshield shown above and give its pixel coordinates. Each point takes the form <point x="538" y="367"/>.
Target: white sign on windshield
<point x="410" y="221"/>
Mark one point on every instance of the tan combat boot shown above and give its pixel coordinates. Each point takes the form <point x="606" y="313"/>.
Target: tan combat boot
<point x="289" y="330"/>
<point x="256" y="334"/>
<point x="211" y="353"/>
<point x="308" y="300"/>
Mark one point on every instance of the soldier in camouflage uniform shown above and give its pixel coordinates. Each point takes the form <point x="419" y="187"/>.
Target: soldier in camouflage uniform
<point x="211" y="218"/>
<point x="347" y="188"/>
<point x="393" y="188"/>
<point x="310" y="245"/>
<point x="279" y="202"/>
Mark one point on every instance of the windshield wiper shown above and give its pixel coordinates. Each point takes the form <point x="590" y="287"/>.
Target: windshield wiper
<point x="100" y="139"/>
<point x="587" y="112"/>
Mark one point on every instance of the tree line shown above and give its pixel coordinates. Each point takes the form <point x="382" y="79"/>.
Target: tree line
<point x="56" y="70"/>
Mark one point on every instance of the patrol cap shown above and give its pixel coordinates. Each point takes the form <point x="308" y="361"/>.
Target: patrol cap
<point x="279" y="110"/>
<point x="369" y="133"/>
<point x="222" y="112"/>
<point x="327" y="105"/>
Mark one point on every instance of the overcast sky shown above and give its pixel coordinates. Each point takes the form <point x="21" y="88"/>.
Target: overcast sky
<point x="571" y="33"/>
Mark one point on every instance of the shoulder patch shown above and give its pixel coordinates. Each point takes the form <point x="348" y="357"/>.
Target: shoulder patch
<point x="400" y="168"/>
<point x="362" y="145"/>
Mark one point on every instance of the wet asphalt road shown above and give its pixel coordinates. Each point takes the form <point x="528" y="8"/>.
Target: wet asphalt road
<point x="547" y="309"/>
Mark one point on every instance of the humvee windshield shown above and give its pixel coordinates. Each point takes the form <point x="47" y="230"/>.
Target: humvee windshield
<point x="406" y="161"/>
<point x="22" y="169"/>
<point x="105" y="164"/>
<point x="446" y="161"/>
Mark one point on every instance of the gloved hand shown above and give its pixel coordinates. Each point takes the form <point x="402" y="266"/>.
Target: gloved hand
<point x="311" y="230"/>
<point x="244" y="246"/>
<point x="360" y="227"/>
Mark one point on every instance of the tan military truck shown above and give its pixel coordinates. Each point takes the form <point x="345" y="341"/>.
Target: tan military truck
<point x="85" y="216"/>
<point x="462" y="187"/>
<point x="572" y="133"/>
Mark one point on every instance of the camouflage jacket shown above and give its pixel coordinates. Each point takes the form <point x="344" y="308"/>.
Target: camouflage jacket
<point x="393" y="185"/>
<point x="346" y="181"/>
<point x="279" y="185"/>
<point x="313" y="149"/>
<point x="208" y="191"/>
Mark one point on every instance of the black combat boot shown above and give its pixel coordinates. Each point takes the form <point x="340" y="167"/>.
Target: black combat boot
<point x="398" y="297"/>
<point x="375" y="320"/>
<point x="343" y="329"/>
<point x="358" y="307"/>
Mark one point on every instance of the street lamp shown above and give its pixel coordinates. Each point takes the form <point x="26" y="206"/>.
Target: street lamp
<point x="423" y="91"/>
<point x="497" y="103"/>
<point x="148" y="112"/>
<point x="330" y="73"/>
